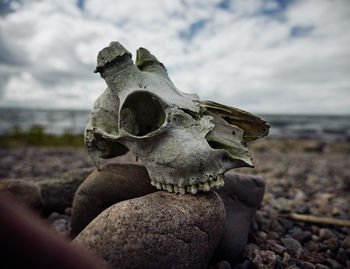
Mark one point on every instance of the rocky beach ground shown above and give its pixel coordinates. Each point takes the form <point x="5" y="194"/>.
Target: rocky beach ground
<point x="307" y="177"/>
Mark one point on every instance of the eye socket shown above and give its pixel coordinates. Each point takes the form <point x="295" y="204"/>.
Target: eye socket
<point x="141" y="113"/>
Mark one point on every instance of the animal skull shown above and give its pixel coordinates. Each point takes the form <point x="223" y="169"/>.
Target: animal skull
<point x="185" y="144"/>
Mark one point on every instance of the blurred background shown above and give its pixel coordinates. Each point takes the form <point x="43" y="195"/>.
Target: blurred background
<point x="288" y="61"/>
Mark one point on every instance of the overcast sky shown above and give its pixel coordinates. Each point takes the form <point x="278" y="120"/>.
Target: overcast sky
<point x="263" y="56"/>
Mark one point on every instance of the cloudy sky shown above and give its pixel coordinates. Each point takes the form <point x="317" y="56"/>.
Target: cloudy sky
<point x="264" y="56"/>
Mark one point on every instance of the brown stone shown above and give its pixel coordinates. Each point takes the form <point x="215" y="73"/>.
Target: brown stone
<point x="264" y="259"/>
<point x="26" y="192"/>
<point x="112" y="184"/>
<point x="346" y="242"/>
<point x="159" y="230"/>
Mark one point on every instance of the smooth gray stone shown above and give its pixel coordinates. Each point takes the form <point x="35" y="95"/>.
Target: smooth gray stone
<point x="242" y="195"/>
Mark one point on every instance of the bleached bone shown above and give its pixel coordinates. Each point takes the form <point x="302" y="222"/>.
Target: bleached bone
<point x="186" y="144"/>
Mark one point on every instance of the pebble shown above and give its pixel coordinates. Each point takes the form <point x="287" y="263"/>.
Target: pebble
<point x="341" y="256"/>
<point x="302" y="236"/>
<point x="303" y="209"/>
<point x="346" y="242"/>
<point x="315" y="238"/>
<point x="276" y="248"/>
<point x="295" y="229"/>
<point x="264" y="259"/>
<point x="321" y="266"/>
<point x="288" y="224"/>
<point x="325" y="233"/>
<point x="62" y="227"/>
<point x="223" y="265"/>
<point x="263" y="222"/>
<point x="299" y="196"/>
<point x="276" y="227"/>
<point x="329" y="253"/>
<point x="315" y="229"/>
<point x="285" y="258"/>
<point x="55" y="216"/>
<point x="291" y="244"/>
<point x="333" y="264"/>
<point x="307" y="265"/>
<point x="273" y="235"/>
<point x="331" y="243"/>
<point x="262" y="235"/>
<point x="68" y="211"/>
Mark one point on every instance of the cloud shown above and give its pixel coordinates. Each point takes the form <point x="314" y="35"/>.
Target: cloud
<point x="262" y="56"/>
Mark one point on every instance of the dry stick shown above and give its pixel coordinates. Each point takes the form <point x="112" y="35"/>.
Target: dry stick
<point x="319" y="220"/>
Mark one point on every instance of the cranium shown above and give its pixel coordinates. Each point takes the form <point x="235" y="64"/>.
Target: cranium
<point x="186" y="144"/>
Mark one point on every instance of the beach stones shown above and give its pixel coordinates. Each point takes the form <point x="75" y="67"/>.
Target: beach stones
<point x="26" y="192"/>
<point x="157" y="230"/>
<point x="242" y="195"/>
<point x="58" y="192"/>
<point x="112" y="184"/>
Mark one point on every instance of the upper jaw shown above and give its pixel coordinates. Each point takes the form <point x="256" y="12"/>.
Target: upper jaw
<point x="207" y="185"/>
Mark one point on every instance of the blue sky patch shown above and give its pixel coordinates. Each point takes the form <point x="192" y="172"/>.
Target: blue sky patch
<point x="301" y="31"/>
<point x="224" y="4"/>
<point x="80" y="4"/>
<point x="193" y="29"/>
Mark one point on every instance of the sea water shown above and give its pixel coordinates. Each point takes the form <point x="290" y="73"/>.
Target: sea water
<point x="326" y="127"/>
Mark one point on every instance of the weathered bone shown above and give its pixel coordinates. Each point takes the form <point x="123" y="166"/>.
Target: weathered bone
<point x="186" y="144"/>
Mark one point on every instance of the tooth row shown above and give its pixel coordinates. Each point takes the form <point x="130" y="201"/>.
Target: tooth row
<point x="212" y="183"/>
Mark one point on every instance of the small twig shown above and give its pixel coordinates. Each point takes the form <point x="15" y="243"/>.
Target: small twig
<point x="319" y="220"/>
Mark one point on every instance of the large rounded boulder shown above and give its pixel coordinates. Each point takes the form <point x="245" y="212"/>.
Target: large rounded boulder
<point x="158" y="230"/>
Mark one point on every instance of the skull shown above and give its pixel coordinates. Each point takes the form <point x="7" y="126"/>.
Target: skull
<point x="186" y="144"/>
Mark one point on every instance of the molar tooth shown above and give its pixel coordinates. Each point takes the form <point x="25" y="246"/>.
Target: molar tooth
<point x="163" y="186"/>
<point x="169" y="188"/>
<point x="200" y="186"/>
<point x="194" y="189"/>
<point x="220" y="177"/>
<point x="182" y="190"/>
<point x="206" y="187"/>
<point x="221" y="182"/>
<point x="212" y="183"/>
<point x="217" y="184"/>
<point x="158" y="186"/>
<point x="176" y="189"/>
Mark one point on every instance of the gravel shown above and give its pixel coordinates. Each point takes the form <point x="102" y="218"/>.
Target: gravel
<point x="302" y="176"/>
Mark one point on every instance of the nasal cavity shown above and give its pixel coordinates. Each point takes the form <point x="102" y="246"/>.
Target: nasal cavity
<point x="141" y="113"/>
